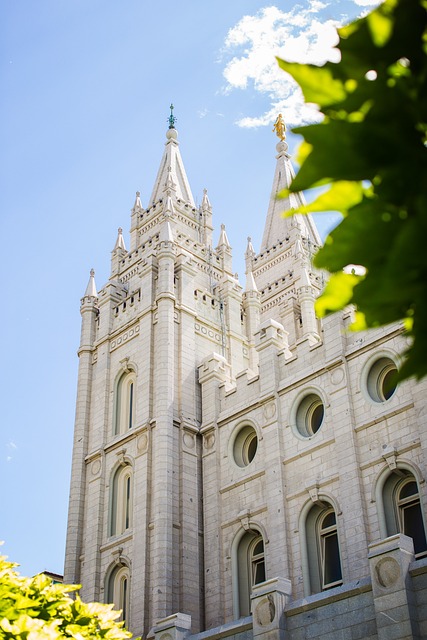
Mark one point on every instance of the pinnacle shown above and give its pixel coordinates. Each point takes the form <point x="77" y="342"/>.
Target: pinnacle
<point x="120" y="243"/>
<point x="91" y="286"/>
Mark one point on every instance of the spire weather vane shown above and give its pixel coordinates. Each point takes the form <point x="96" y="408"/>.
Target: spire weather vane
<point x="171" y="118"/>
<point x="279" y="127"/>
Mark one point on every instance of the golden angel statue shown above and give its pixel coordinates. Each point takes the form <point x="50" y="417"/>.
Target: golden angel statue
<point x="279" y="127"/>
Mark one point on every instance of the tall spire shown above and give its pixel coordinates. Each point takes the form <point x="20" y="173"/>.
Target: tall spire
<point x="91" y="286"/>
<point x="171" y="170"/>
<point x="276" y="226"/>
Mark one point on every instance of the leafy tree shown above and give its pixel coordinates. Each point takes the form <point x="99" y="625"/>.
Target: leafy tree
<point x="38" y="609"/>
<point x="371" y="149"/>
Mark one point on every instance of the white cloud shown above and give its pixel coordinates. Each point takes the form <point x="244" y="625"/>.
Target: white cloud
<point x="11" y="448"/>
<point x="299" y="35"/>
<point x="365" y="3"/>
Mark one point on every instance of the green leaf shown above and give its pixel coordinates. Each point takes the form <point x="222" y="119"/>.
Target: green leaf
<point x="337" y="294"/>
<point x="317" y="83"/>
<point x="381" y="27"/>
<point x="341" y="196"/>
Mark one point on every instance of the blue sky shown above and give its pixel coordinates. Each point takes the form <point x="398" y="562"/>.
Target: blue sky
<point x="85" y="93"/>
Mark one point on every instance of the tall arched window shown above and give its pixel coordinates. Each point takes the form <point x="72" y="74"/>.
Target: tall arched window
<point x="402" y="509"/>
<point x="121" y="501"/>
<point x="323" y="550"/>
<point x="250" y="568"/>
<point x="124" y="410"/>
<point x="118" y="591"/>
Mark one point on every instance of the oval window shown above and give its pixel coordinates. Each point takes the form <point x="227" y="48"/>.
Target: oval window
<point x="245" y="446"/>
<point x="382" y="380"/>
<point x="310" y="414"/>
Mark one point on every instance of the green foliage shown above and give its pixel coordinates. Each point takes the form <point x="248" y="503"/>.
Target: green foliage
<point x="371" y="147"/>
<point x="38" y="609"/>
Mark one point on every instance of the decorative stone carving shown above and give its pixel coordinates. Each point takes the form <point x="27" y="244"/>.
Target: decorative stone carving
<point x="387" y="572"/>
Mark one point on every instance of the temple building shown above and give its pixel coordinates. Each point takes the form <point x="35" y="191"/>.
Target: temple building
<point x="242" y="469"/>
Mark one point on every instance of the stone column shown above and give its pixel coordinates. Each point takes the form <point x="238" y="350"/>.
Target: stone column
<point x="74" y="547"/>
<point x="164" y="453"/>
<point x="394" y="600"/>
<point x="269" y="600"/>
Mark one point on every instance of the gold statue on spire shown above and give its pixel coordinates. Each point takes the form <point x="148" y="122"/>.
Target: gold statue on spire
<point x="279" y="127"/>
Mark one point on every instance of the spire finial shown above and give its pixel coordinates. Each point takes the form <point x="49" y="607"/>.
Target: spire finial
<point x="172" y="118"/>
<point x="279" y="127"/>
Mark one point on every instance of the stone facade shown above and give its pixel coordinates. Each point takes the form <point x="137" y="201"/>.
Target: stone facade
<point x="241" y="469"/>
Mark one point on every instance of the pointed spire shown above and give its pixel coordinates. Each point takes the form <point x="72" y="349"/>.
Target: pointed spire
<point x="168" y="208"/>
<point x="223" y="240"/>
<point x="120" y="243"/>
<point x="299" y="251"/>
<point x="276" y="226"/>
<point x="172" y="160"/>
<point x="250" y="251"/>
<point x="304" y="280"/>
<point x="91" y="286"/>
<point x="137" y="205"/>
<point x="250" y="282"/>
<point x="166" y="234"/>
<point x="206" y="205"/>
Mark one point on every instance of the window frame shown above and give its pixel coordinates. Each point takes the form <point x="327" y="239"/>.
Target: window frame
<point x="124" y="403"/>
<point x="394" y="506"/>
<point x="118" y="591"/>
<point x="121" y="502"/>
<point x="312" y="545"/>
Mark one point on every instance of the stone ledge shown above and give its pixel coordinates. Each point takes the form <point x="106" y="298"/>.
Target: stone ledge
<point x="328" y="597"/>
<point x="225" y="630"/>
<point x="418" y="567"/>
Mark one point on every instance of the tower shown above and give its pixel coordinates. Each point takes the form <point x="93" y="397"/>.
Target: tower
<point x="236" y="461"/>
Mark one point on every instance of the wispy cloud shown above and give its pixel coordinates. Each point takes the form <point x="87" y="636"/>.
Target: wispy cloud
<point x="11" y="447"/>
<point x="300" y="35"/>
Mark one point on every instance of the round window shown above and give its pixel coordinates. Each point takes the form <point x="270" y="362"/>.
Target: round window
<point x="382" y="380"/>
<point x="245" y="446"/>
<point x="310" y="413"/>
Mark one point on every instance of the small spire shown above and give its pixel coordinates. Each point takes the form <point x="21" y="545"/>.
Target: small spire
<point x="137" y="206"/>
<point x="171" y="120"/>
<point x="120" y="243"/>
<point x="250" y="282"/>
<point x="250" y="252"/>
<point x="91" y="286"/>
<point x="168" y="208"/>
<point x="223" y="240"/>
<point x="249" y="256"/>
<point x="205" y="201"/>
<point x="299" y="251"/>
<point x="166" y="234"/>
<point x="305" y="278"/>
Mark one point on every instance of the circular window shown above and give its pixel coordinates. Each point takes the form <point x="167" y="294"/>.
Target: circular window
<point x="309" y="415"/>
<point x="382" y="380"/>
<point x="245" y="446"/>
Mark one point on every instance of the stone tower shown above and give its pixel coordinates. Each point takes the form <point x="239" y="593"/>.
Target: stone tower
<point x="238" y="463"/>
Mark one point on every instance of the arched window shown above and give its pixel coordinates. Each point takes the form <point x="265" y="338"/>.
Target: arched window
<point x="124" y="411"/>
<point x="121" y="501"/>
<point x="402" y="509"/>
<point x="118" y="591"/>
<point x="250" y="568"/>
<point x="323" y="550"/>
